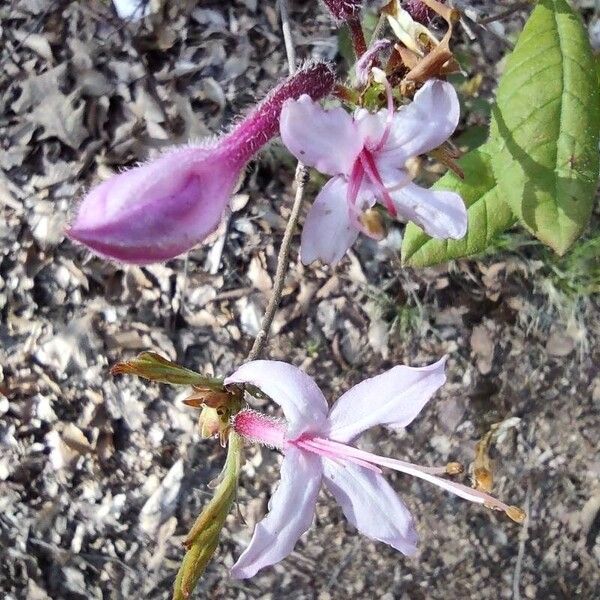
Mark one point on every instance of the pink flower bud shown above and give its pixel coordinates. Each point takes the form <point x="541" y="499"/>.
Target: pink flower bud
<point x="343" y="9"/>
<point x="160" y="209"/>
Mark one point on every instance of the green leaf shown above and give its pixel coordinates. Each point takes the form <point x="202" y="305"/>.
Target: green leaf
<point x="546" y="126"/>
<point x="203" y="539"/>
<point x="488" y="215"/>
<point x="155" y="367"/>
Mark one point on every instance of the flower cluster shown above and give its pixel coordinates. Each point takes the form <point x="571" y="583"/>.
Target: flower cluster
<point x="392" y="113"/>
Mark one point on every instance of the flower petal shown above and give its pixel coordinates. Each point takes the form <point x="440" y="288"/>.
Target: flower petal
<point x="303" y="403"/>
<point x="393" y="399"/>
<point x="328" y="231"/>
<point x="291" y="512"/>
<point x="324" y="139"/>
<point x="442" y="214"/>
<point x="428" y="121"/>
<point x="371" y="505"/>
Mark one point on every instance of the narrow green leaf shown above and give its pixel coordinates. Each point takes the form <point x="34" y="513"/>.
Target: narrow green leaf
<point x="203" y="539"/>
<point x="546" y="126"/>
<point x="155" y="367"/>
<point x="488" y="215"/>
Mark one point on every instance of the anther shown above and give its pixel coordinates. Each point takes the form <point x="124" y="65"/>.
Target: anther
<point x="515" y="513"/>
<point x="454" y="468"/>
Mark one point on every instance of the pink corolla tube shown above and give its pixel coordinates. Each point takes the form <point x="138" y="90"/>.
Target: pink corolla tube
<point x="160" y="209"/>
<point x="317" y="444"/>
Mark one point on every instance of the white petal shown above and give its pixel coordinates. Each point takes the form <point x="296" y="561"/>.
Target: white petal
<point x="291" y="512"/>
<point x="440" y="213"/>
<point x="328" y="231"/>
<point x="303" y="403"/>
<point x="370" y="125"/>
<point x="371" y="505"/>
<point x="393" y="399"/>
<point x="428" y="121"/>
<point x="324" y="139"/>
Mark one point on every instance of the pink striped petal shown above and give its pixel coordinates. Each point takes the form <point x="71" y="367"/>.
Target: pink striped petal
<point x="428" y="121"/>
<point x="442" y="214"/>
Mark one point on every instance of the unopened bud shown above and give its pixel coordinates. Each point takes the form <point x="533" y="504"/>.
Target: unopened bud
<point x="161" y="209"/>
<point x="419" y="11"/>
<point x="209" y="422"/>
<point x="153" y="366"/>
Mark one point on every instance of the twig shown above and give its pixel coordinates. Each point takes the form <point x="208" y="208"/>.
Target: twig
<point x="290" y="50"/>
<point x="523" y="537"/>
<point x="213" y="260"/>
<point x="300" y="180"/>
<point x="282" y="265"/>
<point x="505" y="13"/>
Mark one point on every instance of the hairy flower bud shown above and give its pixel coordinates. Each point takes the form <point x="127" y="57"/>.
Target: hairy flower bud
<point x="344" y="9"/>
<point x="160" y="209"/>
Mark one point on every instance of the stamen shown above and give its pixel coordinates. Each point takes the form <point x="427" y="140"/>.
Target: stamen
<point x="516" y="514"/>
<point x="426" y="473"/>
<point x="311" y="445"/>
<point x="381" y="78"/>
<point x="454" y="468"/>
<point x="370" y="168"/>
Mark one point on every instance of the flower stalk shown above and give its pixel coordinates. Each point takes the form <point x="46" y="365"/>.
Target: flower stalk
<point x="203" y="538"/>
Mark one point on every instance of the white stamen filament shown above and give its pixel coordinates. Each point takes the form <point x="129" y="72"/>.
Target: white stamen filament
<point x="352" y="454"/>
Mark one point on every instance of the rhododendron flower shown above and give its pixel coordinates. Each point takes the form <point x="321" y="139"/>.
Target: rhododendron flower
<point x="317" y="446"/>
<point x="159" y="210"/>
<point x="366" y="154"/>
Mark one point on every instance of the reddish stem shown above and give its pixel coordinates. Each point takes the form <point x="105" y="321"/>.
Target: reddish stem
<point x="358" y="36"/>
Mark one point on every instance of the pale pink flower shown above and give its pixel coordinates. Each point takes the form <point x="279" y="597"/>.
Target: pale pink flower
<point x="317" y="446"/>
<point x="366" y="154"/>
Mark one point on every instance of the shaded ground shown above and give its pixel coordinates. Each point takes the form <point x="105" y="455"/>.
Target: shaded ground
<point x="83" y="513"/>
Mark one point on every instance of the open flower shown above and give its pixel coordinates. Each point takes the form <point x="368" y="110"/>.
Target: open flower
<point x="366" y="154"/>
<point x="316" y="442"/>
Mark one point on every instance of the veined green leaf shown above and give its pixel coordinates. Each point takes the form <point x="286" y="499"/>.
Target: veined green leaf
<point x="546" y="126"/>
<point x="488" y="215"/>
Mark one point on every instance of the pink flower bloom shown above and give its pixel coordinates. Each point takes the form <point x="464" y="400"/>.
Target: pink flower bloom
<point x="159" y="210"/>
<point x="316" y="442"/>
<point x="366" y="154"/>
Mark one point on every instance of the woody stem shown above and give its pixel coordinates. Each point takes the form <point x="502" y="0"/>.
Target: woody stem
<point x="284" y="251"/>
